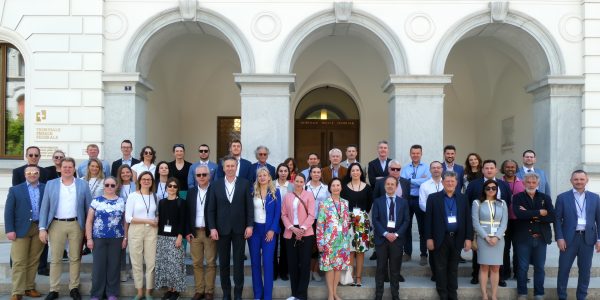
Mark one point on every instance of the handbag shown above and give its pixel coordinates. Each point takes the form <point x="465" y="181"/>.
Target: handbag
<point x="346" y="276"/>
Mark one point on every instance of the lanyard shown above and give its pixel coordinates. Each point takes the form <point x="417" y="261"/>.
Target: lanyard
<point x="203" y="197"/>
<point x="415" y="170"/>
<point x="451" y="208"/>
<point x="163" y="190"/>
<point x="492" y="212"/>
<point x="581" y="207"/>
<point x="391" y="217"/>
<point x="147" y="206"/>
<point x="263" y="199"/>
<point x="338" y="211"/>
<point x="437" y="186"/>
<point x="313" y="191"/>
<point x="230" y="193"/>
<point x="128" y="190"/>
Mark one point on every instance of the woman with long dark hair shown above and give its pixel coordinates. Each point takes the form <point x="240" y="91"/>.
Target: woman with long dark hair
<point x="473" y="166"/>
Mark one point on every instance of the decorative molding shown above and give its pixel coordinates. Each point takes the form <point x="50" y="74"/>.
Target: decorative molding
<point x="342" y="11"/>
<point x="419" y="27"/>
<point x="498" y="11"/>
<point x="266" y="26"/>
<point x="115" y="25"/>
<point x="245" y="81"/>
<point x="558" y="86"/>
<point x="571" y="28"/>
<point x="188" y="9"/>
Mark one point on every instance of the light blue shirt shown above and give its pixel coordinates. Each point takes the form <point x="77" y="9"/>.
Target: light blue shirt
<point x="417" y="175"/>
<point x="389" y="202"/>
<point x="34" y="196"/>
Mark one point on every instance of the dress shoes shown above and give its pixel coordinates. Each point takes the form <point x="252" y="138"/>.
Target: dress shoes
<point x="198" y="296"/>
<point x="474" y="281"/>
<point x="52" y="296"/>
<point x="373" y="256"/>
<point x="44" y="272"/>
<point x="74" y="293"/>
<point x="209" y="296"/>
<point x="16" y="297"/>
<point x="284" y="277"/>
<point x="502" y="283"/>
<point x="401" y="279"/>
<point x="32" y="293"/>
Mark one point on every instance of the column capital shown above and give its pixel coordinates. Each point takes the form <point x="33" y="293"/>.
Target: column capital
<point x="251" y="83"/>
<point x="416" y="84"/>
<point x="565" y="86"/>
<point x="125" y="83"/>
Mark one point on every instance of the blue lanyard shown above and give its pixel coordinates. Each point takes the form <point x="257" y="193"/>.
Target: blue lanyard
<point x="451" y="208"/>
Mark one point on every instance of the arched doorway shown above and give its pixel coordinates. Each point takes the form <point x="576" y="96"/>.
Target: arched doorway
<point x="325" y="118"/>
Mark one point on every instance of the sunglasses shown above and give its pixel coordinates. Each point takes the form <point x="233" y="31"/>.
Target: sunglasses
<point x="32" y="173"/>
<point x="203" y="151"/>
<point x="262" y="154"/>
<point x="201" y="174"/>
<point x="110" y="185"/>
<point x="395" y="169"/>
<point x="33" y="155"/>
<point x="59" y="157"/>
<point x="172" y="186"/>
<point x="148" y="153"/>
<point x="491" y="188"/>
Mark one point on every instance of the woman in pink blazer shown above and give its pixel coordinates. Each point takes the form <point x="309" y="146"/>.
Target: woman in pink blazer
<point x="298" y="215"/>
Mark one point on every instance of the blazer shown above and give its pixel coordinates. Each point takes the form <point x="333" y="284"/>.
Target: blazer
<point x="435" y="219"/>
<point x="379" y="189"/>
<point x="526" y="219"/>
<point x="254" y="167"/>
<point x="18" y="175"/>
<point x="117" y="163"/>
<point x="566" y="217"/>
<point x="191" y="203"/>
<point x="543" y="185"/>
<point x="327" y="174"/>
<point x="18" y="212"/>
<point x="230" y="217"/>
<point x="191" y="180"/>
<point x="51" y="198"/>
<point x="245" y="170"/>
<point x="460" y="174"/>
<point x="380" y="213"/>
<point x="374" y="170"/>
<point x="273" y="210"/>
<point x="475" y="189"/>
<point x="306" y="217"/>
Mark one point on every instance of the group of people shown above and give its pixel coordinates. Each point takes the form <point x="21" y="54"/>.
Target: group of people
<point x="297" y="223"/>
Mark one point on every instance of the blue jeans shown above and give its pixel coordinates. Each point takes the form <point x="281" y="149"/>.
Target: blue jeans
<point x="531" y="251"/>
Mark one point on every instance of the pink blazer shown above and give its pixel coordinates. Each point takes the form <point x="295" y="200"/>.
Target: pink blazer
<point x="305" y="220"/>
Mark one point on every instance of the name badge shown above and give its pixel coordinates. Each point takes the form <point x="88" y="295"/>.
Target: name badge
<point x="356" y="211"/>
<point x="580" y="221"/>
<point x="391" y="224"/>
<point x="452" y="219"/>
<point x="167" y="228"/>
<point x="494" y="229"/>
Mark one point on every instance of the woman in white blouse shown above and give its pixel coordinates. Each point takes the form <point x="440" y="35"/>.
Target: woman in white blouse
<point x="140" y="213"/>
<point x="147" y="159"/>
<point x="95" y="177"/>
<point x="320" y="193"/>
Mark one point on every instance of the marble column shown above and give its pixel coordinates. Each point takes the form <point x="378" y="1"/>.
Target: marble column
<point x="557" y="123"/>
<point x="124" y="112"/>
<point x="266" y="115"/>
<point x="416" y="114"/>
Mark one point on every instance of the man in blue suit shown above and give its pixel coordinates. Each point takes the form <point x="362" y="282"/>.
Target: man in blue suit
<point x="204" y="153"/>
<point x="21" y="218"/>
<point x="62" y="217"/>
<point x="528" y="163"/>
<point x="576" y="231"/>
<point x="390" y="220"/>
<point x="262" y="154"/>
<point x="244" y="167"/>
<point x="450" y="165"/>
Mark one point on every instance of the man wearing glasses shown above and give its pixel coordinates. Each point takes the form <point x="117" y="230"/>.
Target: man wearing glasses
<point x="32" y="155"/>
<point x="262" y="154"/>
<point x="126" y="159"/>
<point x="204" y="152"/>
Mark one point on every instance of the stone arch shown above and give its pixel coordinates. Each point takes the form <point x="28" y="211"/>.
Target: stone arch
<point x="225" y="30"/>
<point x="367" y="27"/>
<point x="532" y="34"/>
<point x="348" y="91"/>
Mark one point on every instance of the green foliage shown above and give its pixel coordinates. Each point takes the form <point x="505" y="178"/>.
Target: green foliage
<point x="15" y="135"/>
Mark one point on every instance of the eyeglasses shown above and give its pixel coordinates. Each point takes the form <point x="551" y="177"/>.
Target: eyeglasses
<point x="59" y="157"/>
<point x="110" y="185"/>
<point x="148" y="153"/>
<point x="491" y="188"/>
<point x="146" y="179"/>
<point x="395" y="169"/>
<point x="33" y="155"/>
<point x="262" y="154"/>
<point x="32" y="173"/>
<point x="172" y="186"/>
<point x="201" y="174"/>
<point x="178" y="145"/>
<point x="203" y="150"/>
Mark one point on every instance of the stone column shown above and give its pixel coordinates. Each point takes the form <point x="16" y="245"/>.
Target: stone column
<point x="124" y="112"/>
<point x="266" y="115"/>
<point x="416" y="114"/>
<point x="557" y="134"/>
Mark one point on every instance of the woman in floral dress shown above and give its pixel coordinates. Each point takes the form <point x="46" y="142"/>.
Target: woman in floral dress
<point x="333" y="238"/>
<point x="360" y="198"/>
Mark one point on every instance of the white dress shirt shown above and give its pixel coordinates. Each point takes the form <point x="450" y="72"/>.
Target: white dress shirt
<point x="230" y="188"/>
<point x="67" y="201"/>
<point x="140" y="207"/>
<point x="295" y="206"/>
<point x="428" y="187"/>
<point x="260" y="214"/>
<point x="200" y="202"/>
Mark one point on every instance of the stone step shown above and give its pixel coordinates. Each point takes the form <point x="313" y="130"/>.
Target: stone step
<point x="413" y="288"/>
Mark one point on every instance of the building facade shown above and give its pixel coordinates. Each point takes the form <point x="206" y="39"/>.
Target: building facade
<point x="492" y="77"/>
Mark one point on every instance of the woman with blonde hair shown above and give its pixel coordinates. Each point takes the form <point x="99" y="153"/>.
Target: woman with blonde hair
<point x="95" y="177"/>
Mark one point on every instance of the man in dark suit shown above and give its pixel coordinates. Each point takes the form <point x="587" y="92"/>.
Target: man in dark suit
<point x="244" y="167"/>
<point x="576" y="231"/>
<point x="378" y="168"/>
<point x="390" y="220"/>
<point x="534" y="213"/>
<point x="202" y="247"/>
<point x="21" y="219"/>
<point x="262" y="154"/>
<point x="230" y="218"/>
<point x="473" y="192"/>
<point x="450" y="165"/>
<point x="448" y="229"/>
<point x="32" y="155"/>
<point x="127" y="159"/>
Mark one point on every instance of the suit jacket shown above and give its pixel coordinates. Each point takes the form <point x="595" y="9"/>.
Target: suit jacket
<point x="52" y="196"/>
<point x="327" y="174"/>
<point x="543" y="185"/>
<point x="475" y="189"/>
<point x="436" y="219"/>
<point x="18" y="175"/>
<point x="379" y="189"/>
<point x="117" y="163"/>
<point x="527" y="219"/>
<point x="254" y="167"/>
<point x="230" y="217"/>
<point x="305" y="216"/>
<point x="460" y="174"/>
<point x="566" y="217"/>
<point x="273" y="209"/>
<point x="374" y="170"/>
<point x="245" y="170"/>
<point x="380" y="216"/>
<point x="18" y="212"/>
<point x="191" y="180"/>
<point x="191" y="203"/>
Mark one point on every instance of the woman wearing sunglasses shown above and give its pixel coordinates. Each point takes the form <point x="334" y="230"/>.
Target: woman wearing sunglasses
<point x="53" y="172"/>
<point x="105" y="229"/>
<point x="147" y="159"/>
<point x="170" y="269"/>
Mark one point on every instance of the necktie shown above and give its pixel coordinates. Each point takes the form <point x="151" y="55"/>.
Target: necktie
<point x="391" y="213"/>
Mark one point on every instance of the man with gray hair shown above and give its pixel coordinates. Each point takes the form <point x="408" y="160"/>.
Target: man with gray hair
<point x="335" y="169"/>
<point x="262" y="154"/>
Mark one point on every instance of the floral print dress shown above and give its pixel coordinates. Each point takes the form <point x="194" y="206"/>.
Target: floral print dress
<point x="333" y="236"/>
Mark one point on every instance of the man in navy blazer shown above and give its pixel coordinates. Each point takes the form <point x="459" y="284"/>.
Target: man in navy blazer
<point x="21" y="218"/>
<point x="403" y="188"/>
<point x="450" y="165"/>
<point x="244" y="167"/>
<point x="62" y="217"/>
<point x="529" y="160"/>
<point x="448" y="229"/>
<point x="576" y="230"/>
<point x="32" y="155"/>
<point x="377" y="168"/>
<point x="204" y="153"/>
<point x="390" y="236"/>
<point x="262" y="154"/>
<point x="127" y="158"/>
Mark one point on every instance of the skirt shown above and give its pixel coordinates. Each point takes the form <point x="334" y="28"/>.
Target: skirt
<point x="362" y="239"/>
<point x="170" y="268"/>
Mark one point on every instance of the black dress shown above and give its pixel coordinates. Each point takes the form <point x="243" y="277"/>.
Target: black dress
<point x="359" y="203"/>
<point x="181" y="175"/>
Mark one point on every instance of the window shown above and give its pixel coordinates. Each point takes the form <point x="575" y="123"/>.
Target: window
<point x="12" y="93"/>
<point x="228" y="129"/>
